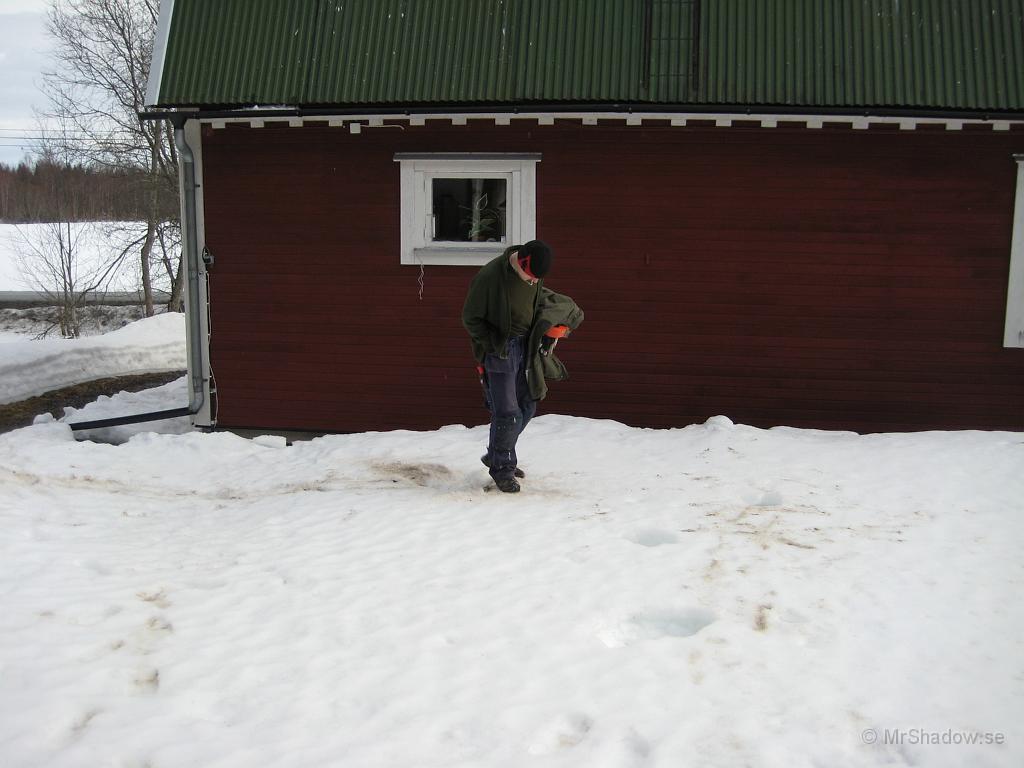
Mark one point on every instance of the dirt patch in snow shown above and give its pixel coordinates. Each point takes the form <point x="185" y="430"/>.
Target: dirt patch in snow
<point x="21" y="414"/>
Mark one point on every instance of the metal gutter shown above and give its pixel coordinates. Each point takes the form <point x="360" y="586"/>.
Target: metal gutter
<point x="136" y="419"/>
<point x="190" y="247"/>
<point x="442" y="110"/>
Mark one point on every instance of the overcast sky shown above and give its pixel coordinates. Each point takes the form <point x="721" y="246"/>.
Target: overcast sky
<point x="23" y="57"/>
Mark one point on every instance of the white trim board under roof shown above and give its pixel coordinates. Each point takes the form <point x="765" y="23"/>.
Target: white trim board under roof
<point x="676" y="119"/>
<point x="156" y="69"/>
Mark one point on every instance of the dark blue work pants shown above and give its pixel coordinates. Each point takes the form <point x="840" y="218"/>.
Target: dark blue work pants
<point x="510" y="404"/>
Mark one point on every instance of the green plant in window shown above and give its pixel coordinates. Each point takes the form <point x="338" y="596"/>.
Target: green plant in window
<point x="484" y="222"/>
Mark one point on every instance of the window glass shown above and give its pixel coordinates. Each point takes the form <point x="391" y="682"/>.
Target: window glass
<point x="469" y="210"/>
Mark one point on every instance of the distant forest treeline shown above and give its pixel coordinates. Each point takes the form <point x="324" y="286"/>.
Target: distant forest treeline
<point x="48" y="191"/>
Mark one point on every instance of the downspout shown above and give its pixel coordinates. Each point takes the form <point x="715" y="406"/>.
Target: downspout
<point x="190" y="245"/>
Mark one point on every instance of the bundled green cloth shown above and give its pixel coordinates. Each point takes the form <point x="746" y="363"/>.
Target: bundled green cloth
<point x="552" y="309"/>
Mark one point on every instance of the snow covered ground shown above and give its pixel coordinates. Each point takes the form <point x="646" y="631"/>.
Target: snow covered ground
<point x="32" y="366"/>
<point x="717" y="595"/>
<point x="97" y="242"/>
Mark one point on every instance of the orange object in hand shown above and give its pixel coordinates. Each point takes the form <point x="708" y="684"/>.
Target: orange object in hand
<point x="551" y="337"/>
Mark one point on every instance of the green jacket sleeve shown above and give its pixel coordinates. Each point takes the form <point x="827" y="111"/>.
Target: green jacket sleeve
<point x="474" y="319"/>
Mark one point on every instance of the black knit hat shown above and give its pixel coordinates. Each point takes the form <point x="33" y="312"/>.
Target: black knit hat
<point x="535" y="258"/>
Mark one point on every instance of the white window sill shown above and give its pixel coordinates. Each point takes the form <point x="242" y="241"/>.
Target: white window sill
<point x="470" y="256"/>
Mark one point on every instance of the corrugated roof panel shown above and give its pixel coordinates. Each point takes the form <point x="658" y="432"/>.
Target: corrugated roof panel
<point x="394" y="51"/>
<point x="939" y="54"/>
<point x="239" y="51"/>
<point x="896" y="53"/>
<point x="672" y="65"/>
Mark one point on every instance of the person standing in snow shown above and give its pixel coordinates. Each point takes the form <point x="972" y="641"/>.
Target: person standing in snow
<point x="513" y="323"/>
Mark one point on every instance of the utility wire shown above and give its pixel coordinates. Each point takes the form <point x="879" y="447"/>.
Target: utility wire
<point x="59" y="137"/>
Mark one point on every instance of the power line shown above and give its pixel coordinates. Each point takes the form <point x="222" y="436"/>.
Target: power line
<point x="69" y="134"/>
<point x="112" y="129"/>
<point x="111" y="136"/>
<point x="73" y="134"/>
<point x="29" y="139"/>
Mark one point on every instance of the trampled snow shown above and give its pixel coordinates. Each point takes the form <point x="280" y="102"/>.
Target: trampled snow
<point x="717" y="595"/>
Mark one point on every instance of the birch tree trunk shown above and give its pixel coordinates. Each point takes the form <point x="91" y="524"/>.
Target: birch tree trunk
<point x="103" y="50"/>
<point x="147" y="282"/>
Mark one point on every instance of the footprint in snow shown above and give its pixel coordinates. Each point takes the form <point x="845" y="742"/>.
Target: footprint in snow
<point x="157" y="598"/>
<point x="652" y="537"/>
<point x="207" y="584"/>
<point x="769" y="498"/>
<point x="624" y="750"/>
<point x="653" y="625"/>
<point x="564" y="732"/>
<point x="147" y="680"/>
<point x="82" y="723"/>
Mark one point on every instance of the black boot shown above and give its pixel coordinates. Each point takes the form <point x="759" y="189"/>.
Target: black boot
<point x="518" y="473"/>
<point x="507" y="484"/>
<point x="503" y="453"/>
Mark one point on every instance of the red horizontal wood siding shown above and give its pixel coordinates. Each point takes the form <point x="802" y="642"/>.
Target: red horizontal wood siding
<point x="814" y="278"/>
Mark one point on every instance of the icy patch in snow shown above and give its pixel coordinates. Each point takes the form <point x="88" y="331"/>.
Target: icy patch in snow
<point x="652" y="537"/>
<point x="770" y="498"/>
<point x="653" y="625"/>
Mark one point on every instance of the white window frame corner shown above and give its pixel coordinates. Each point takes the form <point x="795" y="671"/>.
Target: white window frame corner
<point x="416" y="173"/>
<point x="1013" y="336"/>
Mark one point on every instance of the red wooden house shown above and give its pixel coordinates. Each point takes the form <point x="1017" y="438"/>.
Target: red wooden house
<point x="787" y="212"/>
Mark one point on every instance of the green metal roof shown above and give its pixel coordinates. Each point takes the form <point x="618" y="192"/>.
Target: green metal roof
<point x="963" y="54"/>
<point x="840" y="54"/>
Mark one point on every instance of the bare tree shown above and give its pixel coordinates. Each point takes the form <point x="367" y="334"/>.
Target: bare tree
<point x="49" y="255"/>
<point x="51" y="261"/>
<point x="103" y="50"/>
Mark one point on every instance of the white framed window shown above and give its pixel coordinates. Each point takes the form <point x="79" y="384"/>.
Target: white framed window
<point x="465" y="208"/>
<point x="1014" y="333"/>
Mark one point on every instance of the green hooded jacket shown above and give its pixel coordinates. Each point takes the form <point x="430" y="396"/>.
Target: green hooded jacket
<point x="486" y="314"/>
<point x="487" y="318"/>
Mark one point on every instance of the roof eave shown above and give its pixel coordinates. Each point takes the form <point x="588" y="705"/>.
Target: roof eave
<point x="180" y="111"/>
<point x="156" y="65"/>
